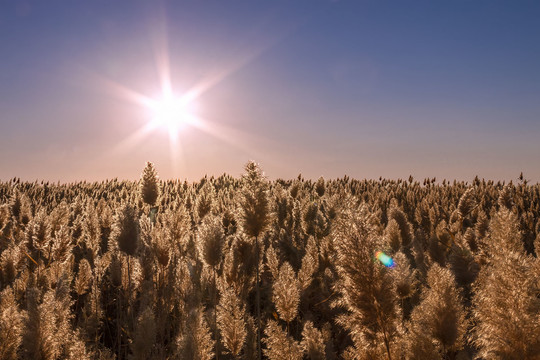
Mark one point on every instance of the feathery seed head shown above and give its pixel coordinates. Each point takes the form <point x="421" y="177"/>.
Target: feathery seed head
<point x="126" y="230"/>
<point x="211" y="241"/>
<point x="286" y="293"/>
<point x="149" y="184"/>
<point x="254" y="202"/>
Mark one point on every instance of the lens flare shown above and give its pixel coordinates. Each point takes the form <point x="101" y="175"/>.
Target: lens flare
<point x="384" y="259"/>
<point x="171" y="113"/>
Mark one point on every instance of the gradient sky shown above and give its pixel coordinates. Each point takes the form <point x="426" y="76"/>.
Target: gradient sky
<point x="446" y="89"/>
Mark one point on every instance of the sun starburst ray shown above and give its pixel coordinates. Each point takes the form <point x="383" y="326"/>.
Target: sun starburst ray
<point x="173" y="112"/>
<point x="241" y="140"/>
<point x="133" y="139"/>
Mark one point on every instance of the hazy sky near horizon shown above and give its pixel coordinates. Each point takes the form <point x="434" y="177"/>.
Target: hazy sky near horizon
<point x="446" y="89"/>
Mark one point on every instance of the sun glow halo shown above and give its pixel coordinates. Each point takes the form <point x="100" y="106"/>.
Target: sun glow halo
<point x="171" y="113"/>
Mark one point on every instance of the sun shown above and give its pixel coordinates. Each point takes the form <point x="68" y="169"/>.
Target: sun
<point x="171" y="113"/>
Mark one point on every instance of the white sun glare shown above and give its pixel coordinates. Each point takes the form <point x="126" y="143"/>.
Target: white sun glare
<point x="171" y="113"/>
<point x="176" y="114"/>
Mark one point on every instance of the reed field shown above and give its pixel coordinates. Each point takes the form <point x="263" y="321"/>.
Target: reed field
<point x="251" y="268"/>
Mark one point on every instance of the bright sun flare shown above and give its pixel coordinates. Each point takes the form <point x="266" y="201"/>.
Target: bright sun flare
<point x="174" y="114"/>
<point x="171" y="113"/>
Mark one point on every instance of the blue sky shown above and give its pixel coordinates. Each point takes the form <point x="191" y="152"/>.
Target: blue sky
<point x="446" y="89"/>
